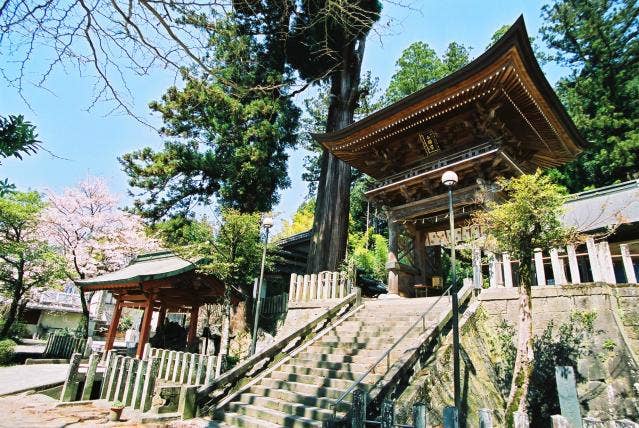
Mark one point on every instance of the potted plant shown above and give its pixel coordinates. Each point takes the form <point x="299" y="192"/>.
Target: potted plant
<point x="116" y="411"/>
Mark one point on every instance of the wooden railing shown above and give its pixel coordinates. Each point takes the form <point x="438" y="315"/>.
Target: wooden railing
<point x="318" y="286"/>
<point x="64" y="346"/>
<point x="567" y="266"/>
<point x="185" y="368"/>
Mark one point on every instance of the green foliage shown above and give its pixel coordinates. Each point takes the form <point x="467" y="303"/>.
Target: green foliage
<point x="117" y="405"/>
<point x="528" y="218"/>
<point x="419" y="66"/>
<point x="609" y="345"/>
<point x="182" y="231"/>
<point x="26" y="261"/>
<point x="506" y="352"/>
<point x="463" y="266"/>
<point x="369" y="253"/>
<point x="230" y="132"/>
<point x="302" y="220"/>
<point x="551" y="349"/>
<point x="17" y="137"/>
<point x="598" y="41"/>
<point x="125" y="323"/>
<point x="7" y="351"/>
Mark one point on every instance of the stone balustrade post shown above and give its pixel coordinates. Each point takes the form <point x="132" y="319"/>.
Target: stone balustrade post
<point x="89" y="379"/>
<point x="420" y="416"/>
<point x="70" y="388"/>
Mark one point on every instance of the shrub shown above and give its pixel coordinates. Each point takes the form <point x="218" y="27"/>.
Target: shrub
<point x="7" y="351"/>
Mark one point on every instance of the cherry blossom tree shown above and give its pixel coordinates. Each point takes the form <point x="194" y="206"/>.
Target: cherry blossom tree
<point x="93" y="234"/>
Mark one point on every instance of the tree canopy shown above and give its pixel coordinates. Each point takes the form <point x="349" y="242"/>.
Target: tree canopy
<point x="599" y="41"/>
<point x="26" y="260"/>
<point x="419" y="65"/>
<point x="228" y="139"/>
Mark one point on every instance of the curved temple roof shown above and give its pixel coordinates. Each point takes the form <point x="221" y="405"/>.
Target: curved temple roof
<point x="502" y="96"/>
<point x="145" y="267"/>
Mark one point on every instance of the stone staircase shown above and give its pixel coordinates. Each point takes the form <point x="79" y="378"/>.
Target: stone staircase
<point x="301" y="392"/>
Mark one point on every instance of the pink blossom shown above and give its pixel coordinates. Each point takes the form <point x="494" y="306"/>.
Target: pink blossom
<point x="88" y="228"/>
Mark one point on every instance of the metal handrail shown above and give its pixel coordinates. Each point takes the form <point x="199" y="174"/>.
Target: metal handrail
<point x="386" y="354"/>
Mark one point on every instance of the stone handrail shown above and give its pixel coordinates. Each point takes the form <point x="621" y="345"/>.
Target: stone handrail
<point x="232" y="379"/>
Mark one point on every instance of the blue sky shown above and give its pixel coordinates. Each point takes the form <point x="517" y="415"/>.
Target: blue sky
<point x="89" y="142"/>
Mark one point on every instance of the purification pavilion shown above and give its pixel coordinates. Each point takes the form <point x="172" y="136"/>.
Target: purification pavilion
<point x="496" y="117"/>
<point x="159" y="281"/>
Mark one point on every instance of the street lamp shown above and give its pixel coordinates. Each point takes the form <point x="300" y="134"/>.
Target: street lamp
<point x="450" y="179"/>
<point x="267" y="223"/>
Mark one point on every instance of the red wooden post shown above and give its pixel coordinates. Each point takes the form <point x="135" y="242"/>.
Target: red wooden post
<point x="113" y="328"/>
<point x="145" y="326"/>
<point x="190" y="339"/>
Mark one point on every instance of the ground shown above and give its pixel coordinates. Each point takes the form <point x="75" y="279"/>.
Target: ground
<point x="37" y="410"/>
<point x="14" y="379"/>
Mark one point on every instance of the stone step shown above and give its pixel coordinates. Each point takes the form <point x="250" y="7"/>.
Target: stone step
<point x="369" y="352"/>
<point x="288" y="407"/>
<point x="294" y="397"/>
<point x="356" y="342"/>
<point x="320" y="380"/>
<point x="303" y="361"/>
<point x="346" y="333"/>
<point x="274" y="416"/>
<point x="244" y="421"/>
<point x="366" y="357"/>
<point x="302" y="388"/>
<point x="314" y="371"/>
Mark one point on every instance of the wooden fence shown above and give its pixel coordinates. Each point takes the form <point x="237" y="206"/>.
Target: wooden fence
<point x="567" y="266"/>
<point x="65" y="345"/>
<point x="183" y="368"/>
<point x="275" y="304"/>
<point x="318" y="286"/>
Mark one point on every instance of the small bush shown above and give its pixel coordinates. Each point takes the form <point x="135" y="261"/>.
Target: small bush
<point x="7" y="351"/>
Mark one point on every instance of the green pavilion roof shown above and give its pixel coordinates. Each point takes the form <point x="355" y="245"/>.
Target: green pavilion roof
<point x="145" y="267"/>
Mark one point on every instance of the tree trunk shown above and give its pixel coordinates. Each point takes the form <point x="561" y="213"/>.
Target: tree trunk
<point x="12" y="312"/>
<point x="517" y="399"/>
<point x="84" y="321"/>
<point x="330" y="223"/>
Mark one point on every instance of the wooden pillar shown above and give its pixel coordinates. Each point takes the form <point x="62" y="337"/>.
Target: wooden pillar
<point x="539" y="267"/>
<point x="145" y="326"/>
<point x="508" y="271"/>
<point x="631" y="277"/>
<point x="393" y="238"/>
<point x="575" y="278"/>
<point x="113" y="328"/>
<point x="190" y="338"/>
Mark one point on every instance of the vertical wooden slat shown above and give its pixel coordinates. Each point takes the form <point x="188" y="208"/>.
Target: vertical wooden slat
<point x="628" y="267"/>
<point x="210" y="369"/>
<point x="291" y="288"/>
<point x="299" y="288"/>
<point x="557" y="268"/>
<point x="139" y="384"/>
<point x="539" y="267"/>
<point x="575" y="278"/>
<point x="114" y="377"/>
<point x="593" y="257"/>
<point x="313" y="287"/>
<point x="199" y="375"/>
<point x="342" y="285"/>
<point x="508" y="271"/>
<point x="305" y="286"/>
<point x="185" y="367"/>
<point x="110" y="358"/>
<point x="127" y="397"/>
<point x="334" y="285"/>
<point x="176" y="366"/>
<point x="189" y="378"/>
<point x="605" y="263"/>
<point x="492" y="269"/>
<point x="162" y="355"/>
<point x="149" y="383"/>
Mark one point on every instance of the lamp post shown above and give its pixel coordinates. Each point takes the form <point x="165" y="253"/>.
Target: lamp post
<point x="267" y="223"/>
<point x="449" y="179"/>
